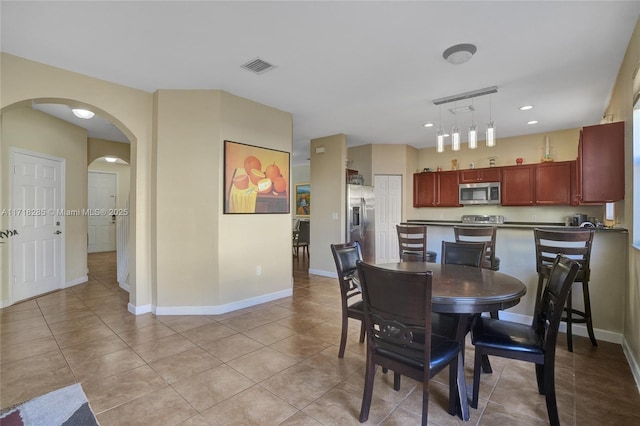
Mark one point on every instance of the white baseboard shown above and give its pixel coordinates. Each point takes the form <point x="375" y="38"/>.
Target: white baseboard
<point x="139" y="310"/>
<point x="209" y="310"/>
<point x="323" y="273"/>
<point x="634" y="363"/>
<point x="76" y="281"/>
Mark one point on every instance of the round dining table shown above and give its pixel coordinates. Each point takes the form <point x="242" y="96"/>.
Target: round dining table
<point x="465" y="289"/>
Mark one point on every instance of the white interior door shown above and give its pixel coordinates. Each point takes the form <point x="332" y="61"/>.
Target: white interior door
<point x="388" y="192"/>
<point x="37" y="198"/>
<point x="101" y="200"/>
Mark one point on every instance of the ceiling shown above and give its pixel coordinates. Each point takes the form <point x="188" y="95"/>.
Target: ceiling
<point x="370" y="70"/>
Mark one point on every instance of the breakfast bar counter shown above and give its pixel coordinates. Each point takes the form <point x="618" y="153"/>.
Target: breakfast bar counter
<point x="516" y="249"/>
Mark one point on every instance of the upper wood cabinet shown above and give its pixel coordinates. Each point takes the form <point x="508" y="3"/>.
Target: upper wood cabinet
<point x="435" y="189"/>
<point x="448" y="189"/>
<point x="600" y="165"/>
<point x="491" y="174"/>
<point x="518" y="185"/>
<point x="424" y="189"/>
<point x="554" y="183"/>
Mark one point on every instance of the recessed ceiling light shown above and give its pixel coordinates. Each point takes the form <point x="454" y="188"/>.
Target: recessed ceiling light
<point x="446" y="135"/>
<point x="526" y="107"/>
<point x="428" y="124"/>
<point x="532" y="122"/>
<point x="83" y="113"/>
<point x="111" y="159"/>
<point x="460" y="53"/>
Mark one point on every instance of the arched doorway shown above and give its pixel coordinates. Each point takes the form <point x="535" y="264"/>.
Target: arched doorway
<point x="36" y="132"/>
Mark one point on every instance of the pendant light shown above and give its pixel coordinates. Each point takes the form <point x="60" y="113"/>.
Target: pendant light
<point x="455" y="135"/>
<point x="473" y="131"/>
<point x="491" y="129"/>
<point x="440" y="140"/>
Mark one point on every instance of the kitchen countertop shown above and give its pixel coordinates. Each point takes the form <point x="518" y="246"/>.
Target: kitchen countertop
<point x="523" y="225"/>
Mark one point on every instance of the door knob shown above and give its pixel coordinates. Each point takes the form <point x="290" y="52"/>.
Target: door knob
<point x="58" y="232"/>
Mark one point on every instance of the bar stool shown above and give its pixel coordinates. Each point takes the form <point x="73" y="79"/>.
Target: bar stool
<point x="575" y="244"/>
<point x="481" y="234"/>
<point x="412" y="244"/>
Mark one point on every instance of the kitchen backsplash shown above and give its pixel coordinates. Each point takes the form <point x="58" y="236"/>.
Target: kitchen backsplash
<point x="544" y="214"/>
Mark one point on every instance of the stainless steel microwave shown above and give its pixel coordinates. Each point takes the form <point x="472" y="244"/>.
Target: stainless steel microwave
<point x="479" y="193"/>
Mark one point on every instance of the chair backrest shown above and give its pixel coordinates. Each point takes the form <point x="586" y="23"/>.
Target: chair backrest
<point x="463" y="253"/>
<point x="304" y="227"/>
<point x="412" y="242"/>
<point x="546" y="319"/>
<point x="397" y="306"/>
<point x="575" y="244"/>
<point x="479" y="234"/>
<point x="345" y="256"/>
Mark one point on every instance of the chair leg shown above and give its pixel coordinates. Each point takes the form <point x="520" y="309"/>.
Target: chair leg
<point x="453" y="390"/>
<point x="370" y="371"/>
<point x="587" y="313"/>
<point x="569" y="311"/>
<point x="540" y="378"/>
<point x="494" y="314"/>
<point x="477" y="365"/>
<point x="550" y="395"/>
<point x="486" y="365"/>
<point x="343" y="337"/>
<point x="396" y="381"/>
<point x="463" y="398"/>
<point x="362" y="332"/>
<point x="425" y="403"/>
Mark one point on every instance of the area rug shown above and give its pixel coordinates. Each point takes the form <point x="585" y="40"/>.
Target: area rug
<point x="67" y="406"/>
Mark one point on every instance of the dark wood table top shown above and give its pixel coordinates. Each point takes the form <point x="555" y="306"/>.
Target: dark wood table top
<point x="466" y="289"/>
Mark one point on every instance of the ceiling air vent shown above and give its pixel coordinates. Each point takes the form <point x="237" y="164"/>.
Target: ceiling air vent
<point x="258" y="66"/>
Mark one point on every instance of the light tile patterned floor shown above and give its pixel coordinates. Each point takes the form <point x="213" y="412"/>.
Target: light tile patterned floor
<point x="273" y="364"/>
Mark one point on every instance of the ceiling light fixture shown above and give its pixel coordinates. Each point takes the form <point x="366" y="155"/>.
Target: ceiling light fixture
<point x="532" y="122"/>
<point x="473" y="129"/>
<point x="428" y="124"/>
<point x="440" y="136"/>
<point x="526" y="107"/>
<point x="110" y="159"/>
<point x="83" y="113"/>
<point x="491" y="129"/>
<point x="460" y="53"/>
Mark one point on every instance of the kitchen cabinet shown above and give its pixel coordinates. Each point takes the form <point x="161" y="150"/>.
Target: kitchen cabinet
<point x="448" y="189"/>
<point x="600" y="165"/>
<point x="491" y="174"/>
<point x="518" y="185"/>
<point x="424" y="189"/>
<point x="435" y="189"/>
<point x="554" y="182"/>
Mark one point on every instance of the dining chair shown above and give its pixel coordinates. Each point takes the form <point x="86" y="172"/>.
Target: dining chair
<point x="481" y="234"/>
<point x="576" y="244"/>
<point x="302" y="240"/>
<point x="397" y="307"/>
<point x="345" y="256"/>
<point x="412" y="244"/>
<point x="463" y="253"/>
<point x="534" y="343"/>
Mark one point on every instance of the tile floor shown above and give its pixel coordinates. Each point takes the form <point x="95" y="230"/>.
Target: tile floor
<point x="273" y="364"/>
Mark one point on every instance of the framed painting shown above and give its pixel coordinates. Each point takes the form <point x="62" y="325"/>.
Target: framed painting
<point x="303" y="199"/>
<point x="256" y="179"/>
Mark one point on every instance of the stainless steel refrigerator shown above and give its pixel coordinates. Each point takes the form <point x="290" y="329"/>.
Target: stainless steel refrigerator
<point x="361" y="219"/>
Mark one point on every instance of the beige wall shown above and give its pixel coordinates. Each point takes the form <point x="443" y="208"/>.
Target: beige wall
<point x="205" y="258"/>
<point x="360" y="158"/>
<point x="129" y="109"/>
<point x="328" y="192"/>
<point x="102" y="148"/>
<point x="622" y="109"/>
<point x="33" y="131"/>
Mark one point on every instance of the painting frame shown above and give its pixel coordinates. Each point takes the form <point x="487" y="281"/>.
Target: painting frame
<point x="256" y="180"/>
<point x="303" y="199"/>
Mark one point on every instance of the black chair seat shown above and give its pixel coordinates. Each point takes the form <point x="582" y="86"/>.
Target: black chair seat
<point x="356" y="308"/>
<point x="487" y="264"/>
<point x="508" y="336"/>
<point x="443" y="351"/>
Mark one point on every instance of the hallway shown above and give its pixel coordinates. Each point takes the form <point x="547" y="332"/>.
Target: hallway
<point x="270" y="364"/>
